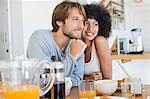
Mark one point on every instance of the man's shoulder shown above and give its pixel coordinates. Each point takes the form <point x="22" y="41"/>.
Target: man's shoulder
<point x="42" y="34"/>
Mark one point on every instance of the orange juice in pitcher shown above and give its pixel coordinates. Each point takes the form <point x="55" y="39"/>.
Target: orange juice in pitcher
<point x="22" y="92"/>
<point x="23" y="79"/>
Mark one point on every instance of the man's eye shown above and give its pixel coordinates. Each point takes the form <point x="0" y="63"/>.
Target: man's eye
<point x="75" y="19"/>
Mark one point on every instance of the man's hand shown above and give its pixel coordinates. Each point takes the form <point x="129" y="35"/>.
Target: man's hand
<point x="77" y="48"/>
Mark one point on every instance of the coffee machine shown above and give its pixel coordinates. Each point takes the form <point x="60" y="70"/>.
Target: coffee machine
<point x="136" y="43"/>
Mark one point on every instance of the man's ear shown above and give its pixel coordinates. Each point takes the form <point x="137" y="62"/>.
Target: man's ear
<point x="59" y="23"/>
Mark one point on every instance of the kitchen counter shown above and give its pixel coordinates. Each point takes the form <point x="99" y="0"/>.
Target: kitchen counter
<point x="145" y="55"/>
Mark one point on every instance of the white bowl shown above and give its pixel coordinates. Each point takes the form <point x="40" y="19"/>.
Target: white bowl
<point x="106" y="87"/>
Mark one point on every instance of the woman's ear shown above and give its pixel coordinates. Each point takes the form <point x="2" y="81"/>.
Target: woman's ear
<point x="59" y="23"/>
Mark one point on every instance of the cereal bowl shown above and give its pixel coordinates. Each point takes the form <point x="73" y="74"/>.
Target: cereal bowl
<point x="106" y="87"/>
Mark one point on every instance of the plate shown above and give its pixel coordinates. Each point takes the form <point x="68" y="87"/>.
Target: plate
<point x="109" y="97"/>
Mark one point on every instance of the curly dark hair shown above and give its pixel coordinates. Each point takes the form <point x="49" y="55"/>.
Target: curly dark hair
<point x="100" y="14"/>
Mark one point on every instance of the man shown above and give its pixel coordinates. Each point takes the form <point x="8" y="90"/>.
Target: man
<point x="68" y="23"/>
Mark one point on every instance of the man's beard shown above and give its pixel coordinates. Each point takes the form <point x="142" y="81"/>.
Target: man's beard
<point x="72" y="36"/>
<point x="69" y="36"/>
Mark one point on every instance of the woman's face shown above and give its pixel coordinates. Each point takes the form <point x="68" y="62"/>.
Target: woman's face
<point x="91" y="29"/>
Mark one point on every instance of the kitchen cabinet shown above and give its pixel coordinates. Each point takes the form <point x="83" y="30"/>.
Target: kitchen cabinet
<point x="11" y="29"/>
<point x="4" y="29"/>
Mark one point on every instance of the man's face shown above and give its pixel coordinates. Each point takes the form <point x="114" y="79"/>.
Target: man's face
<point x="74" y="24"/>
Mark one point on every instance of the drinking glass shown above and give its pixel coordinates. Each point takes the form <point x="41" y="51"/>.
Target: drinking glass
<point x="87" y="89"/>
<point x="126" y="90"/>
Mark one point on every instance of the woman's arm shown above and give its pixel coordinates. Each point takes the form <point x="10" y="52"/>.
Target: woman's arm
<point x="104" y="56"/>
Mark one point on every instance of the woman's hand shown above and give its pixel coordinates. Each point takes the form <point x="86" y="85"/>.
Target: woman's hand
<point x="94" y="76"/>
<point x="97" y="76"/>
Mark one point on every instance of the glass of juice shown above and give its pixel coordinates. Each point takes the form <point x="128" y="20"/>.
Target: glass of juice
<point x="87" y="89"/>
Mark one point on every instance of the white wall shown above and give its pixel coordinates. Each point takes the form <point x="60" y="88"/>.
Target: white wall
<point x="17" y="39"/>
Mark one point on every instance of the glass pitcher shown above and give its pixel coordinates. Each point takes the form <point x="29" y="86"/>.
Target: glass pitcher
<point x="26" y="79"/>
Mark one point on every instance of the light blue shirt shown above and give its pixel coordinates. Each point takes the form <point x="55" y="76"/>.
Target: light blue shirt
<point x="42" y="45"/>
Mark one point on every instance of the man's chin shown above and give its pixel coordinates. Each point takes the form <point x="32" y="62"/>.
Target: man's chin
<point x="77" y="37"/>
<point x="77" y="34"/>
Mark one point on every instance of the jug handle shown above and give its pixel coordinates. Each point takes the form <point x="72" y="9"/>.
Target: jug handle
<point x="50" y="81"/>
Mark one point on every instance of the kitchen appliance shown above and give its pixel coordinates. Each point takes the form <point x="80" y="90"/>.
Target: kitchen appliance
<point x="123" y="45"/>
<point x="136" y="44"/>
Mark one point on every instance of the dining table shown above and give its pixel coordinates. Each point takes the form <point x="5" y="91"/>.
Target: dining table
<point x="74" y="93"/>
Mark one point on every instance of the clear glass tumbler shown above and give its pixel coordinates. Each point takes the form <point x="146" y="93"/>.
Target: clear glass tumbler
<point x="87" y="89"/>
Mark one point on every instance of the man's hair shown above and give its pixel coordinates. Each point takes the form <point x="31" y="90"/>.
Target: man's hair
<point x="62" y="10"/>
<point x="100" y="14"/>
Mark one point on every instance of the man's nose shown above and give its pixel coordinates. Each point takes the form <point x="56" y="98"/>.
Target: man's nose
<point x="81" y="24"/>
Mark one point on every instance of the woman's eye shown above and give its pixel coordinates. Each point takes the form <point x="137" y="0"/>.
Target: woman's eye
<point x="86" y="22"/>
<point x="96" y="24"/>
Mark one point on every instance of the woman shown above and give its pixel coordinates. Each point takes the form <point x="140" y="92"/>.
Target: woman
<point x="98" y="63"/>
